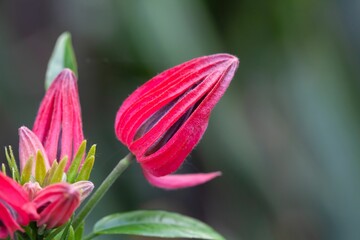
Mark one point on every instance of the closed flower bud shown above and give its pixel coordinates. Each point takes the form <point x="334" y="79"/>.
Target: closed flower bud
<point x="29" y="145"/>
<point x="58" y="123"/>
<point x="55" y="204"/>
<point x="32" y="188"/>
<point x="164" y="119"/>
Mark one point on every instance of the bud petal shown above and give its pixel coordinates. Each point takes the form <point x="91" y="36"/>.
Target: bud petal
<point x="58" y="123"/>
<point x="84" y="188"/>
<point x="29" y="145"/>
<point x="56" y="203"/>
<point x="163" y="120"/>
<point x="177" y="181"/>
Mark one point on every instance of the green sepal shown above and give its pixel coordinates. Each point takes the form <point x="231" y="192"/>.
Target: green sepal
<point x="50" y="173"/>
<point x="79" y="232"/>
<point x="92" y="151"/>
<point x="3" y="169"/>
<point x="71" y="235"/>
<point x="85" y="171"/>
<point x="40" y="168"/>
<point x="63" y="56"/>
<point x="74" y="167"/>
<point x="26" y="172"/>
<point x="59" y="172"/>
<point x="12" y="163"/>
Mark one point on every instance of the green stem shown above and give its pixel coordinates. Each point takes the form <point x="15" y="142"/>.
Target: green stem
<point x="103" y="188"/>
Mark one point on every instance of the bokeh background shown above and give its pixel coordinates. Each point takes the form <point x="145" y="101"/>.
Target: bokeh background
<point x="286" y="134"/>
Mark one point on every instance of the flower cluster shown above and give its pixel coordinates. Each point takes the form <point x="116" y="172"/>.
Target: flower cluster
<point x="53" y="175"/>
<point x="160" y="122"/>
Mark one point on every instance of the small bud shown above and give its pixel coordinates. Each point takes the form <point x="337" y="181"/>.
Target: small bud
<point x="32" y="188"/>
<point x="55" y="204"/>
<point x="29" y="145"/>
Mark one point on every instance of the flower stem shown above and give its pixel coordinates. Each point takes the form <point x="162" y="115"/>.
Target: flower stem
<point x="103" y="188"/>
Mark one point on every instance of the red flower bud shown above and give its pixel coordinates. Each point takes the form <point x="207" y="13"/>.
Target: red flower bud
<point x="163" y="120"/>
<point x="56" y="203"/>
<point x="58" y="123"/>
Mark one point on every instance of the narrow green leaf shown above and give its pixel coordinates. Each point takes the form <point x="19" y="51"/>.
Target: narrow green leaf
<point x="12" y="163"/>
<point x="71" y="233"/>
<point x="63" y="56"/>
<point x="74" y="167"/>
<point x="59" y="172"/>
<point x="155" y="224"/>
<point x="26" y="173"/>
<point x="40" y="169"/>
<point x="92" y="151"/>
<point x="85" y="171"/>
<point x="3" y="169"/>
<point x="50" y="173"/>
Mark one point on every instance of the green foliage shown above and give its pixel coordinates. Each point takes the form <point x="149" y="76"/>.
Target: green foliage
<point x="62" y="57"/>
<point x="154" y="224"/>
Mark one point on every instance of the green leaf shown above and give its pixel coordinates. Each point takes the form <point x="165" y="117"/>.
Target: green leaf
<point x="63" y="56"/>
<point x="154" y="224"/>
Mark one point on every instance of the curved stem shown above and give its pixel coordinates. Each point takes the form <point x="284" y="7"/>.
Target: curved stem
<point x="103" y="188"/>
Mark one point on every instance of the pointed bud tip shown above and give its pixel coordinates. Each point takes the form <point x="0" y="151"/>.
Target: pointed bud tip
<point x="67" y="74"/>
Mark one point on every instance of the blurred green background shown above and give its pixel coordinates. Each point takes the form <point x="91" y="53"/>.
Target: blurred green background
<point x="286" y="134"/>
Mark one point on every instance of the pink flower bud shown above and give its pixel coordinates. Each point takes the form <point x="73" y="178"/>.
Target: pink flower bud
<point x="58" y="123"/>
<point x="29" y="145"/>
<point x="163" y="120"/>
<point x="55" y="204"/>
<point x="15" y="208"/>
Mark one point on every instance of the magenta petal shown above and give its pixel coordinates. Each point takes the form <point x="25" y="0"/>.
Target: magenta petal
<point x="177" y="181"/>
<point x="15" y="206"/>
<point x="8" y="223"/>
